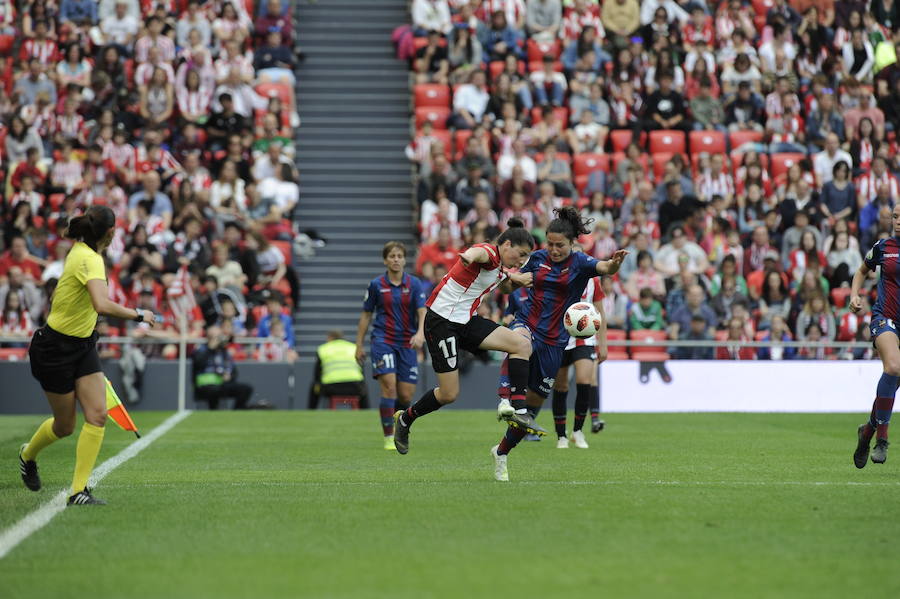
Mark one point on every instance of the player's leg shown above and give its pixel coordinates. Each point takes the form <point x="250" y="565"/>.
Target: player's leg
<point x="880" y="417"/>
<point x="596" y="423"/>
<point x="443" y="341"/>
<point x="384" y="369"/>
<point x="90" y="391"/>
<point x="560" y="397"/>
<point x="60" y="425"/>
<point x="583" y="370"/>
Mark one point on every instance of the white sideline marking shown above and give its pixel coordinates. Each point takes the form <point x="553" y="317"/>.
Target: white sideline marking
<point x="40" y="517"/>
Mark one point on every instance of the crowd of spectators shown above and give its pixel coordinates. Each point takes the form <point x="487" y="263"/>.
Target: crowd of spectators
<point x="178" y="115"/>
<point x="744" y="152"/>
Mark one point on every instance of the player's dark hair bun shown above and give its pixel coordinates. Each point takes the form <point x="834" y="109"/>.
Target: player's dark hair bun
<point x="92" y="226"/>
<point x="569" y="223"/>
<point x="516" y="234"/>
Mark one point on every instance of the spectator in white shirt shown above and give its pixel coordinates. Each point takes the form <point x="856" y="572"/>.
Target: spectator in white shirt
<point x="470" y="101"/>
<point x="120" y="27"/>
<point x="518" y="158"/>
<point x="431" y="15"/>
<point x="824" y="161"/>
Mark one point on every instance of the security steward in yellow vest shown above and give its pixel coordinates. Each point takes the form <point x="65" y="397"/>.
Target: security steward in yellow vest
<point x="337" y="371"/>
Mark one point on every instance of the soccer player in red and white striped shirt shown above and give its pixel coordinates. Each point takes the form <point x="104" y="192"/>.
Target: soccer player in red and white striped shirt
<point x="451" y="325"/>
<point x="583" y="354"/>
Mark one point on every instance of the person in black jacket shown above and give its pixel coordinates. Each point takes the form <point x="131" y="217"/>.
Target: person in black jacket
<point x="215" y="374"/>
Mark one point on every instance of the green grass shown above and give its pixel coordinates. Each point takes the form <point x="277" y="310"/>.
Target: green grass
<point x="296" y="504"/>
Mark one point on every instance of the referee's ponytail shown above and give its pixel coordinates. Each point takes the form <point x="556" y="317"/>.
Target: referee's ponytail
<point x="516" y="234"/>
<point x="92" y="226"/>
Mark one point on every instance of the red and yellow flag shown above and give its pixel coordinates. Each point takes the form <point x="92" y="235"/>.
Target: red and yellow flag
<point x="117" y="412"/>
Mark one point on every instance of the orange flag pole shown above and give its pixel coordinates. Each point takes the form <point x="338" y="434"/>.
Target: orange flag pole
<point x="117" y="412"/>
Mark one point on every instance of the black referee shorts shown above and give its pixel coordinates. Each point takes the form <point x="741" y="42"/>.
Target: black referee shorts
<point x="57" y="360"/>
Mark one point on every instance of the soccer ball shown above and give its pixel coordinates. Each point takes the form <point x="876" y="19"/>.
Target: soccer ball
<point x="582" y="320"/>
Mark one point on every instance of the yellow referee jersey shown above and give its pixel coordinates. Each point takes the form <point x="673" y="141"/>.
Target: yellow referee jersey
<point x="72" y="312"/>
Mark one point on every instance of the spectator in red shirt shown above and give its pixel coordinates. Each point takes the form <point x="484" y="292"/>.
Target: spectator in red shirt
<point x="735" y="350"/>
<point x="17" y="255"/>
<point x="443" y="252"/>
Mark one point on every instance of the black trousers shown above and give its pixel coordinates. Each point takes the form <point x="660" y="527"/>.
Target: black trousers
<point x="240" y="392"/>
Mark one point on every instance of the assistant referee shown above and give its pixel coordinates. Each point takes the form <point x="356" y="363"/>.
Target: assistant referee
<point x="64" y="356"/>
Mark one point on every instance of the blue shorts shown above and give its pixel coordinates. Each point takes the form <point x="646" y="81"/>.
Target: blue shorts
<point x="542" y="368"/>
<point x="880" y="325"/>
<point x="393" y="359"/>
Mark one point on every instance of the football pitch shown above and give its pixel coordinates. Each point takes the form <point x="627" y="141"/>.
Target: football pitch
<point x="301" y="504"/>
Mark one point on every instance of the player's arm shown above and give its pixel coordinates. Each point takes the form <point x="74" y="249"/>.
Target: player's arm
<point x="365" y="319"/>
<point x="418" y="340"/>
<point x="602" y="349"/>
<point x="859" y="278"/>
<point x="474" y="254"/>
<point x="515" y="281"/>
<point x="611" y="266"/>
<point x="99" y="292"/>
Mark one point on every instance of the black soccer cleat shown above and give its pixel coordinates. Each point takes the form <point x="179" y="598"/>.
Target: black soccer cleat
<point x="526" y="423"/>
<point x="861" y="455"/>
<point x="879" y="454"/>
<point x="29" y="471"/>
<point x="401" y="434"/>
<point x="84" y="497"/>
<point x="597" y="425"/>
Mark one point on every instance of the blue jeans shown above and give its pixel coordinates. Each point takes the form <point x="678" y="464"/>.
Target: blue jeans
<point x="556" y="94"/>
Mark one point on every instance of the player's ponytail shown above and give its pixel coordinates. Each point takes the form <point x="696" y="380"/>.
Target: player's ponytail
<point x="569" y="223"/>
<point x="92" y="226"/>
<point x="516" y="234"/>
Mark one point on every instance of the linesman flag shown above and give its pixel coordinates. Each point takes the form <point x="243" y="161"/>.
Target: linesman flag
<point x="117" y="412"/>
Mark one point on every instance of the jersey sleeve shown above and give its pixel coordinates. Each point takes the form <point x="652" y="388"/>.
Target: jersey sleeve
<point x="873" y="258"/>
<point x="418" y="294"/>
<point x="587" y="265"/>
<point x="90" y="267"/>
<point x="533" y="263"/>
<point x="370" y="297"/>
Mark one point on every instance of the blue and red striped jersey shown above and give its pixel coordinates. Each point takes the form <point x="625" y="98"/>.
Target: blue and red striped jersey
<point x="886" y="254"/>
<point x="394" y="308"/>
<point x="556" y="286"/>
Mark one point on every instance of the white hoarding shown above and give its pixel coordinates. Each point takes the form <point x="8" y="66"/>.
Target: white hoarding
<point x="735" y="386"/>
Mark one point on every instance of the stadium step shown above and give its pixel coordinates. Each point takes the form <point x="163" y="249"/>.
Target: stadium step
<point x="353" y="100"/>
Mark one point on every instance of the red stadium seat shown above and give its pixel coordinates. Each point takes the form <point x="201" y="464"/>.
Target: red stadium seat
<point x="538" y="65"/>
<point x="561" y="112"/>
<point x="840" y="296"/>
<point x="620" y="139"/>
<point x="784" y="161"/>
<point x="13" y="354"/>
<point x="656" y="351"/>
<point x="739" y="138"/>
<point x="437" y="116"/>
<point x="707" y="141"/>
<point x="537" y="50"/>
<point x="281" y="91"/>
<point x="761" y="7"/>
<point x="431" y="95"/>
<point x="670" y="140"/>
<point x="659" y="162"/>
<point x="350" y="401"/>
<point x="585" y="164"/>
<point x="285" y="248"/>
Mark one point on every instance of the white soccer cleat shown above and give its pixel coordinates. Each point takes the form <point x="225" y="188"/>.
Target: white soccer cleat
<point x="504" y="410"/>
<point x="500" y="472"/>
<point x="579" y="440"/>
<point x="562" y="443"/>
